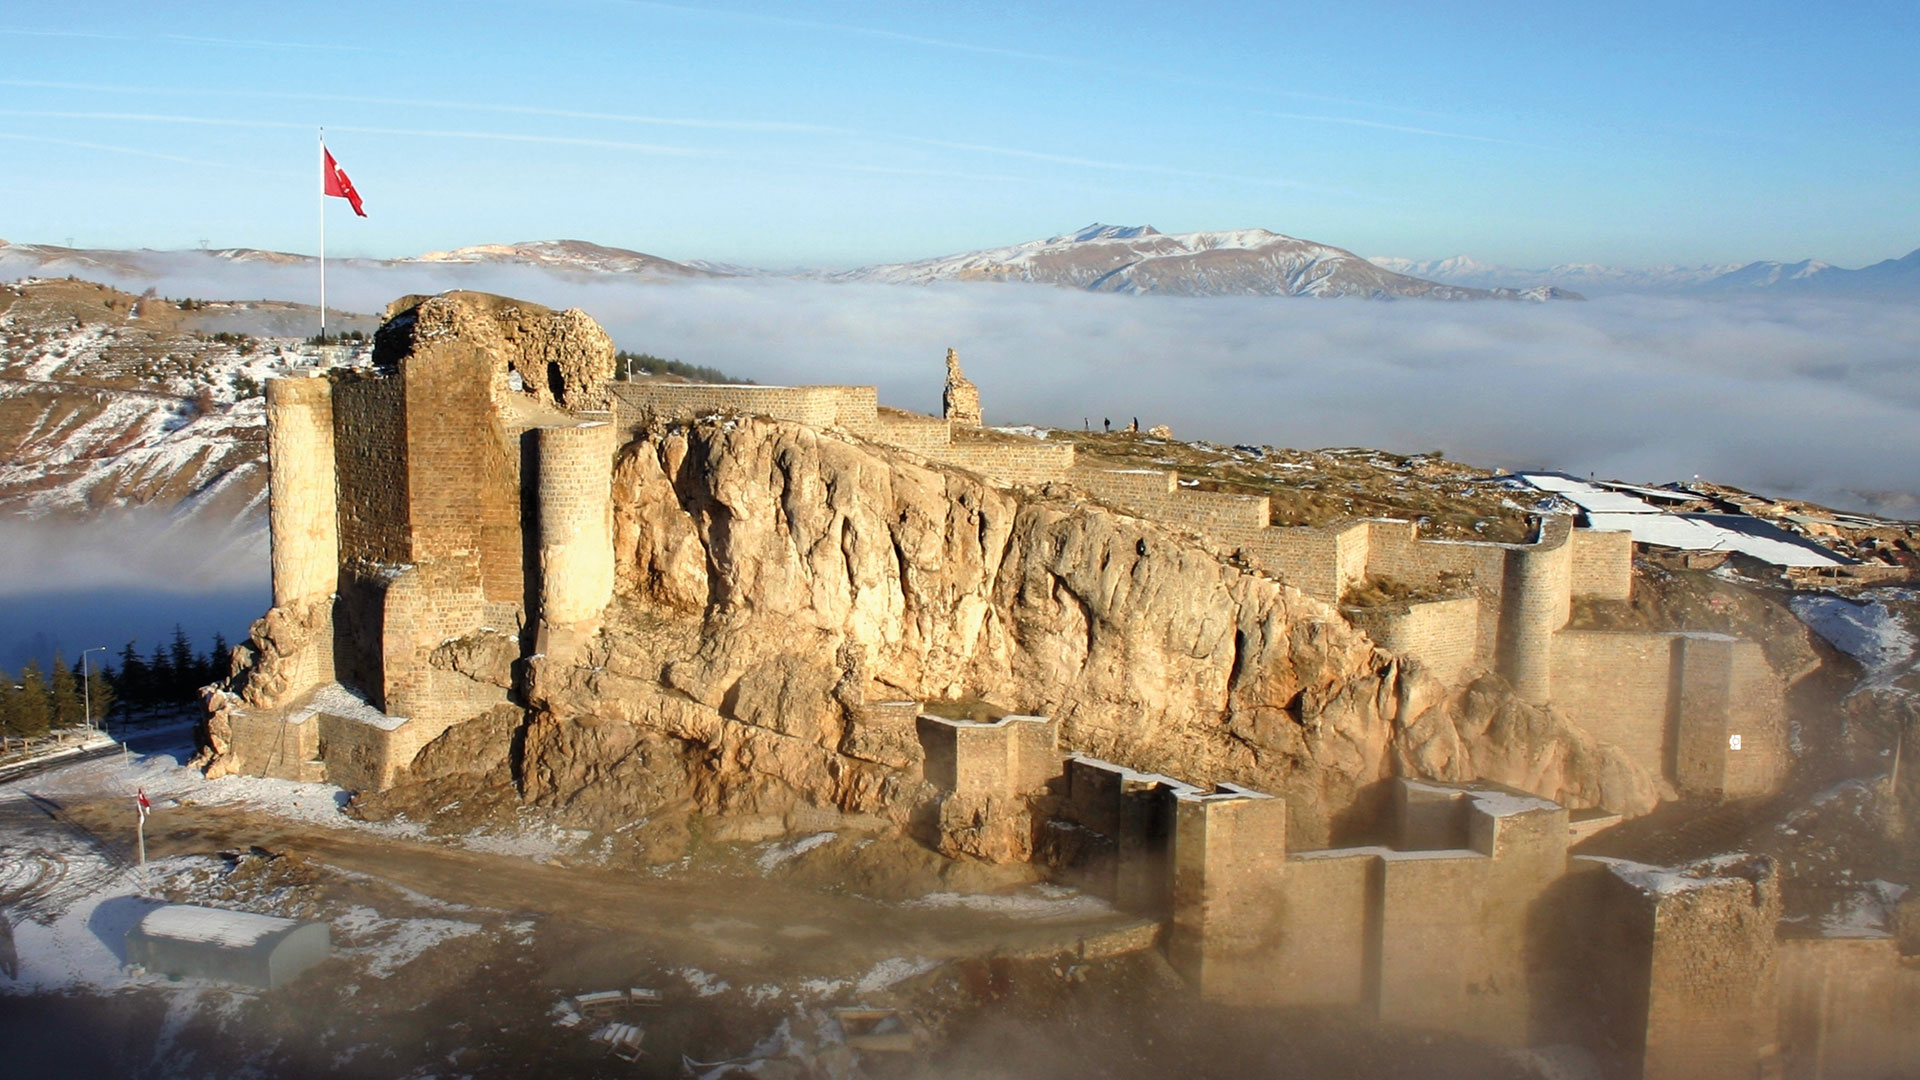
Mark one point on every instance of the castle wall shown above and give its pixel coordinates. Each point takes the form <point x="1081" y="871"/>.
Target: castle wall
<point x="1311" y="560"/>
<point x="1135" y="813"/>
<point x="1327" y="943"/>
<point x="1671" y="973"/>
<point x="1711" y="1005"/>
<point x="1758" y="714"/>
<point x="849" y="407"/>
<point x="576" y="524"/>
<point x="301" y="495"/>
<point x="1847" y="1009"/>
<point x="359" y="628"/>
<point x="360" y="756"/>
<point x="1602" y="564"/>
<point x="1229" y="858"/>
<point x="910" y="431"/>
<point x="273" y="745"/>
<point x="1441" y="635"/>
<point x="1028" y="464"/>
<point x="1617" y="686"/>
<point x="1012" y="756"/>
<point x="1429" y="925"/>
<point x="370" y="441"/>
<point x="1537" y="603"/>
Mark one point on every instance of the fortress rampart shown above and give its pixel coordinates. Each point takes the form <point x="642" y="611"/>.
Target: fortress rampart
<point x="1474" y="921"/>
<point x="428" y="538"/>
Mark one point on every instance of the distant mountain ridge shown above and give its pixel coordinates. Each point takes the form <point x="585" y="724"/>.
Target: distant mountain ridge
<point x="1133" y="259"/>
<point x="1890" y="279"/>
<point x="1141" y="259"/>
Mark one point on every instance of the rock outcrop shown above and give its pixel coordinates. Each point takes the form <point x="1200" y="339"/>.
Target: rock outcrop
<point x="772" y="581"/>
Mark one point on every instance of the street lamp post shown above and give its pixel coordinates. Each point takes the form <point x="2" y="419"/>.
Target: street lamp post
<point x="86" y="683"/>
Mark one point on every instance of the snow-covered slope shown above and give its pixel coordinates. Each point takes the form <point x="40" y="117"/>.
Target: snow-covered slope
<point x="569" y="255"/>
<point x="1590" y="279"/>
<point x="1141" y="259"/>
<point x="111" y="402"/>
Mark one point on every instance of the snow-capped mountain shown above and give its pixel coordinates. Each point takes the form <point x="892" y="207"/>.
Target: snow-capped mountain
<point x="569" y="255"/>
<point x="1591" y="279"/>
<point x="1892" y="279"/>
<point x="1141" y="259"/>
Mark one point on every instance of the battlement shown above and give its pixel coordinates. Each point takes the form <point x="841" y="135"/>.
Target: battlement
<point x="1011" y="756"/>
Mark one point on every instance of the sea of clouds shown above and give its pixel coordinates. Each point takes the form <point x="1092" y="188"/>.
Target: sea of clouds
<point x="1818" y="399"/>
<point x="1810" y="398"/>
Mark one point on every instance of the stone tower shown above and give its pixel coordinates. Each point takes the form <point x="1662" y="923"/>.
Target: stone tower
<point x="961" y="402"/>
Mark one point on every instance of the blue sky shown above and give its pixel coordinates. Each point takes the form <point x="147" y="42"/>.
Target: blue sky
<point x="834" y="134"/>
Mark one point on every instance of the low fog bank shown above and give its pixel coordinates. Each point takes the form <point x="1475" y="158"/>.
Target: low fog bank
<point x="1808" y="398"/>
<point x="129" y="550"/>
<point x="72" y="586"/>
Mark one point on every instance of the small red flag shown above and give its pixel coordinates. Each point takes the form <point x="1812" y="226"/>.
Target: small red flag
<point x="144" y="804"/>
<point x="335" y="183"/>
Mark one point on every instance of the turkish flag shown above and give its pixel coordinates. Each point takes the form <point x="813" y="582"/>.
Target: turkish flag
<point x="335" y="183"/>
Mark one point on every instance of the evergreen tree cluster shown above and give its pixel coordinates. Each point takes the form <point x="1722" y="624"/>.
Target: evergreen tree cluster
<point x="171" y="674"/>
<point x="628" y="364"/>
<point x="36" y="701"/>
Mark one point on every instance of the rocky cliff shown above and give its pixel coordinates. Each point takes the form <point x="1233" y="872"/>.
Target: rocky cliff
<point x="777" y="585"/>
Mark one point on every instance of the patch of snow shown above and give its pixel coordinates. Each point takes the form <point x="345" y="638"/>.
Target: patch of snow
<point x="893" y="970"/>
<point x="1868" y="632"/>
<point x="1040" y="902"/>
<point x="774" y="856"/>
<point x="704" y="983"/>
<point x="387" y="945"/>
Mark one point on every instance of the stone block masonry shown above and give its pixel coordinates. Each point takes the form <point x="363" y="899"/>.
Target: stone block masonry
<point x="576" y="531"/>
<point x="301" y="491"/>
<point x="1008" y="757"/>
<point x="1440" y="635"/>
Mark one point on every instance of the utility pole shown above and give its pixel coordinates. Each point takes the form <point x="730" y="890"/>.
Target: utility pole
<point x="86" y="683"/>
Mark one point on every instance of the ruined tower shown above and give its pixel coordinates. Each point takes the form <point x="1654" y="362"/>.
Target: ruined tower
<point x="961" y="401"/>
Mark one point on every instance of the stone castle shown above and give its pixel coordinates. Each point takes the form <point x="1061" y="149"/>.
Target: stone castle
<point x="487" y="529"/>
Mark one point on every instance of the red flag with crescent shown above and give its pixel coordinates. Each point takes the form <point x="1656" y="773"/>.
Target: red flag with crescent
<point x="335" y="183"/>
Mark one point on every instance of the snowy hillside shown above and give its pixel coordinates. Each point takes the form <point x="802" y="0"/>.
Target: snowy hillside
<point x="1141" y="259"/>
<point x="112" y="402"/>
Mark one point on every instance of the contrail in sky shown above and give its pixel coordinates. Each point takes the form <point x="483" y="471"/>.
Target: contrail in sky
<point x="123" y="150"/>
<point x="222" y="121"/>
<point x="1357" y="122"/>
<point x="1055" y="59"/>
<point x="191" y="39"/>
<point x="979" y="148"/>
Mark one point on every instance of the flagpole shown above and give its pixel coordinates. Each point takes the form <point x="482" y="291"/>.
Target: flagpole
<point x="323" y="237"/>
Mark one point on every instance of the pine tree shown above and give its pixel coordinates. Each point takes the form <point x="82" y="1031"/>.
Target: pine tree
<point x="186" y="666"/>
<point x="100" y="695"/>
<point x="133" y="683"/>
<point x="221" y="660"/>
<point x="160" y="676"/>
<point x="8" y="701"/>
<point x="30" y="710"/>
<point x="63" y="696"/>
